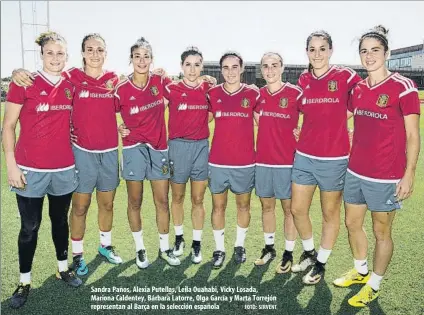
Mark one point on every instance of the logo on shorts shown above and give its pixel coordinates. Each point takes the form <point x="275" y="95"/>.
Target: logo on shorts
<point x="389" y="202"/>
<point x="283" y="102"/>
<point x="109" y="84"/>
<point x="245" y="103"/>
<point x="165" y="169"/>
<point x="154" y="90"/>
<point x="332" y="86"/>
<point x="382" y="101"/>
<point x="68" y="94"/>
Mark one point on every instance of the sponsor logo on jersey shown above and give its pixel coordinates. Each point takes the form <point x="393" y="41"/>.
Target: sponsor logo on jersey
<point x="43" y="93"/>
<point x="284" y="102"/>
<point x="45" y="107"/>
<point x="231" y="114"/>
<point x="154" y="90"/>
<point x="245" y="103"/>
<point x="84" y="94"/>
<point x="68" y="94"/>
<point x="42" y="107"/>
<point x="87" y="94"/>
<point x="132" y="98"/>
<point x="332" y="86"/>
<point x="182" y="106"/>
<point x="109" y="84"/>
<point x="361" y="112"/>
<point x="320" y="100"/>
<point x="135" y="109"/>
<point x="274" y="115"/>
<point x="382" y="101"/>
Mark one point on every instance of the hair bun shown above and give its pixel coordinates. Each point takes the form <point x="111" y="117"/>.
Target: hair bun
<point x="381" y="29"/>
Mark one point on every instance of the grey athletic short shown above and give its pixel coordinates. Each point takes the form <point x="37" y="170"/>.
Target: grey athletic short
<point x="96" y="170"/>
<point x="329" y="175"/>
<point x="188" y="159"/>
<point x="273" y="182"/>
<point x="377" y="196"/>
<point x="53" y="183"/>
<point x="238" y="180"/>
<point x="141" y="162"/>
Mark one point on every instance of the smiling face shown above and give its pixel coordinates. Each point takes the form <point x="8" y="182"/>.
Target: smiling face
<point x="319" y="53"/>
<point x="141" y="60"/>
<point x="192" y="67"/>
<point x="373" y="56"/>
<point x="54" y="57"/>
<point x="94" y="53"/>
<point x="231" y="70"/>
<point x="271" y="68"/>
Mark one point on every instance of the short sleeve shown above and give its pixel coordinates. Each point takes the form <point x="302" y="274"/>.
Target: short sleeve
<point x="165" y="81"/>
<point x="409" y="100"/>
<point x="299" y="101"/>
<point x="16" y="94"/>
<point x="350" y="106"/>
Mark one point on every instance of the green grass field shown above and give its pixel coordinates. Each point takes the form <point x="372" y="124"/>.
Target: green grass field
<point x="402" y="288"/>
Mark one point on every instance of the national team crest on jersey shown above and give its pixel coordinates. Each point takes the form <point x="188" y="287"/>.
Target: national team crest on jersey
<point x="382" y="101"/>
<point x="109" y="85"/>
<point x="332" y="86"/>
<point x="68" y="94"/>
<point x="284" y="102"/>
<point x="245" y="103"/>
<point x="154" y="90"/>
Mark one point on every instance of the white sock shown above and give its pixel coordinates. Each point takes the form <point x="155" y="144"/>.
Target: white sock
<point x="290" y="245"/>
<point x="163" y="242"/>
<point x="197" y="235"/>
<point x="361" y="266"/>
<point x="269" y="238"/>
<point x="62" y="265"/>
<point x="374" y="281"/>
<point x="219" y="236"/>
<point x="308" y="244"/>
<point x="105" y="238"/>
<point x="241" y="236"/>
<point x="138" y="240"/>
<point x="179" y="230"/>
<point x="77" y="247"/>
<point x="323" y="255"/>
<point x="25" y="278"/>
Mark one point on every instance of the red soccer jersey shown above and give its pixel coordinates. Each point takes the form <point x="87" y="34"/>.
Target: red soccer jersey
<point x="279" y="115"/>
<point x="233" y="139"/>
<point x="93" y="115"/>
<point x="142" y="110"/>
<point x="188" y="111"/>
<point x="44" y="142"/>
<point x="324" y="106"/>
<point x="379" y="140"/>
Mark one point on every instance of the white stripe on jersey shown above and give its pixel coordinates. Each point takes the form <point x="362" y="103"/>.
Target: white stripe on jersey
<point x="323" y="158"/>
<point x="297" y="88"/>
<point x="274" y="166"/>
<point x="120" y="84"/>
<point x="350" y="71"/>
<point x="407" y="92"/>
<point x="46" y="170"/>
<point x="95" y="151"/>
<point x="375" y="180"/>
<point x="377" y="85"/>
<point x="231" y="166"/>
<point x="407" y="83"/>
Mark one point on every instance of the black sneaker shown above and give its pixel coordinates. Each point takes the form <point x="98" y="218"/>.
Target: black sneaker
<point x="306" y="259"/>
<point x="218" y="259"/>
<point x="141" y="259"/>
<point x="20" y="295"/>
<point x="79" y="266"/>
<point x="286" y="262"/>
<point x="315" y="274"/>
<point x="179" y="245"/>
<point x="196" y="254"/>
<point x="239" y="254"/>
<point x="268" y="254"/>
<point x="69" y="277"/>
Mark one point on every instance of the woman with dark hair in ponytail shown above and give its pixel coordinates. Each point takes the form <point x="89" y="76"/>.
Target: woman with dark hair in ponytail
<point x="322" y="151"/>
<point x="386" y="111"/>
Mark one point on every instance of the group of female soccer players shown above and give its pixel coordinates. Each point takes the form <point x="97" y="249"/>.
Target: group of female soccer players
<point x="376" y="173"/>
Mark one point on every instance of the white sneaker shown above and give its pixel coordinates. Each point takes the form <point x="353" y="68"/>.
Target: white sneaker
<point x="305" y="261"/>
<point x="178" y="249"/>
<point x="196" y="254"/>
<point x="169" y="257"/>
<point x="141" y="259"/>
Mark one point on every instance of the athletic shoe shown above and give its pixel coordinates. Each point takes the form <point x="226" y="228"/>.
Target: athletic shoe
<point x="351" y="277"/>
<point x="286" y="263"/>
<point x="268" y="254"/>
<point x="315" y="274"/>
<point x="20" y="295"/>
<point x="239" y="254"/>
<point x="69" y="277"/>
<point x="218" y="259"/>
<point x="79" y="266"/>
<point x="141" y="259"/>
<point x="179" y="245"/>
<point x="306" y="259"/>
<point x="169" y="257"/>
<point x="364" y="297"/>
<point x="109" y="253"/>
<point x="196" y="254"/>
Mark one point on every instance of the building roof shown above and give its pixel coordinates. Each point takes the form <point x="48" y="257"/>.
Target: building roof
<point x="403" y="50"/>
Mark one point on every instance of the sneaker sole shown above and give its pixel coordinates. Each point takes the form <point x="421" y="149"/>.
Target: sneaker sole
<point x="113" y="262"/>
<point x="58" y="277"/>
<point x="260" y="262"/>
<point x="143" y="266"/>
<point x="280" y="269"/>
<point x="82" y="273"/>
<point x="349" y="284"/>
<point x="313" y="282"/>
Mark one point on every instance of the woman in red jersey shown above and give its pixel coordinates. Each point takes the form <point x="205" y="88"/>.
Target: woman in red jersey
<point x="42" y="162"/>
<point x="145" y="150"/>
<point x="386" y="111"/>
<point x="322" y="152"/>
<point x="278" y="114"/>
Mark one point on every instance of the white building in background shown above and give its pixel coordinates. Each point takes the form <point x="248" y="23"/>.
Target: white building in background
<point x="407" y="58"/>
